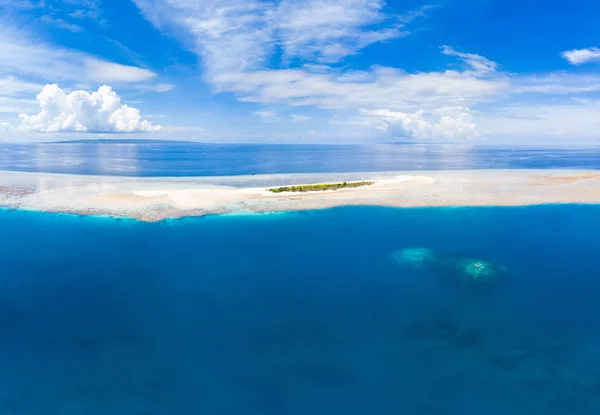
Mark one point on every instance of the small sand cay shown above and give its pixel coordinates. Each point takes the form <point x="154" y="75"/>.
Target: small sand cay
<point x="153" y="199"/>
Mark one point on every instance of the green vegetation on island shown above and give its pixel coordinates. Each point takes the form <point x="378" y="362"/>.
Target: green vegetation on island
<point x="319" y="187"/>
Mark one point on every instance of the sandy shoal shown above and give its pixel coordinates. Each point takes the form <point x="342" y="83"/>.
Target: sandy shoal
<point x="153" y="199"/>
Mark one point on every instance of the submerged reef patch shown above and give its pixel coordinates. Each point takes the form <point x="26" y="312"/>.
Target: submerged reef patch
<point x="478" y="270"/>
<point x="469" y="270"/>
<point x="417" y="257"/>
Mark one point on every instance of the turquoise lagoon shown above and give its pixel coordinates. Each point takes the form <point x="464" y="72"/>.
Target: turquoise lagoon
<point x="316" y="312"/>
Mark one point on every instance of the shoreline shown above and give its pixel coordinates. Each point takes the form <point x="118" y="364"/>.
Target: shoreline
<point x="154" y="199"/>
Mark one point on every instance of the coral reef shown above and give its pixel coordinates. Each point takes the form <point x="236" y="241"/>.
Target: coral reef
<point x="478" y="270"/>
<point x="469" y="270"/>
<point x="415" y="257"/>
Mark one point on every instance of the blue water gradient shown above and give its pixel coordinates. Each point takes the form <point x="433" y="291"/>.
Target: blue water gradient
<point x="150" y="158"/>
<point x="300" y="313"/>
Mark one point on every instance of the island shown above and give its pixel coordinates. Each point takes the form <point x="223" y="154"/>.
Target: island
<point x="319" y="187"/>
<point x="157" y="198"/>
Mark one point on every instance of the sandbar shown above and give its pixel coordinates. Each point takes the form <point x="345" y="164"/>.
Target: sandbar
<point x="155" y="199"/>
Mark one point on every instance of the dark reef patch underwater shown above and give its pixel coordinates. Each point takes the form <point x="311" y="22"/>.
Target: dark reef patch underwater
<point x="303" y="313"/>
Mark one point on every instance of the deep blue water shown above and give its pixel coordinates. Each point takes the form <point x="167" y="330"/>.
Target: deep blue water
<point x="300" y="313"/>
<point x="145" y="158"/>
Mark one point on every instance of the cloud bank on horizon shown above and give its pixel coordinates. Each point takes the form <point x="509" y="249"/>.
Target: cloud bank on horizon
<point x="298" y="70"/>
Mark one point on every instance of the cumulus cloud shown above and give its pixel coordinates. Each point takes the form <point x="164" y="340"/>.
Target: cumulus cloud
<point x="237" y="39"/>
<point x="245" y="48"/>
<point x="581" y="56"/>
<point x="414" y="125"/>
<point x="80" y="111"/>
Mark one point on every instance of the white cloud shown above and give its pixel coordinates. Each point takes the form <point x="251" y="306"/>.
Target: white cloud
<point x="237" y="42"/>
<point x="385" y="88"/>
<point x="562" y="121"/>
<point x="22" y="4"/>
<point x="300" y="118"/>
<point x="80" y="111"/>
<point x="27" y="57"/>
<point x="160" y="88"/>
<point x="102" y="71"/>
<point x="38" y="63"/>
<point x="12" y="105"/>
<point x="234" y="36"/>
<point x="267" y="116"/>
<point x="61" y="23"/>
<point x="479" y="64"/>
<point x="581" y="56"/>
<point x="400" y="124"/>
<point x="85" y="9"/>
<point x="235" y="39"/>
<point x="230" y="35"/>
<point x="83" y="14"/>
<point x="13" y="86"/>
<point x="12" y="90"/>
<point x="562" y="83"/>
<point x="21" y="53"/>
<point x="164" y="87"/>
<point x="330" y="30"/>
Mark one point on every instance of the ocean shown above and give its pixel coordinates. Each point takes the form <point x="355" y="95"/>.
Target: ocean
<point x="351" y="310"/>
<point x="150" y="158"/>
<point x="316" y="312"/>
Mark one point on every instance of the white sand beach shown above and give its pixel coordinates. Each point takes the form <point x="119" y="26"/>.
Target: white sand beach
<point x="154" y="199"/>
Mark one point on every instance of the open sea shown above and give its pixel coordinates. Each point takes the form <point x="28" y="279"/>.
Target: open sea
<point x="151" y="158"/>
<point x="351" y="310"/>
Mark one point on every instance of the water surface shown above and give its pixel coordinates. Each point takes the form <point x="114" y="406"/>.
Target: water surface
<point x="300" y="313"/>
<point x="146" y="158"/>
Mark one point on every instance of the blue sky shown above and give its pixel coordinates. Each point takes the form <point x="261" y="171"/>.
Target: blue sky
<point x="335" y="71"/>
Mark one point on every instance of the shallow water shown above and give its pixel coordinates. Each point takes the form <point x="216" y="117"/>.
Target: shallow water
<point x="300" y="313"/>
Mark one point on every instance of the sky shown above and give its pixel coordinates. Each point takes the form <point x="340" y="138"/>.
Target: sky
<point x="301" y="71"/>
